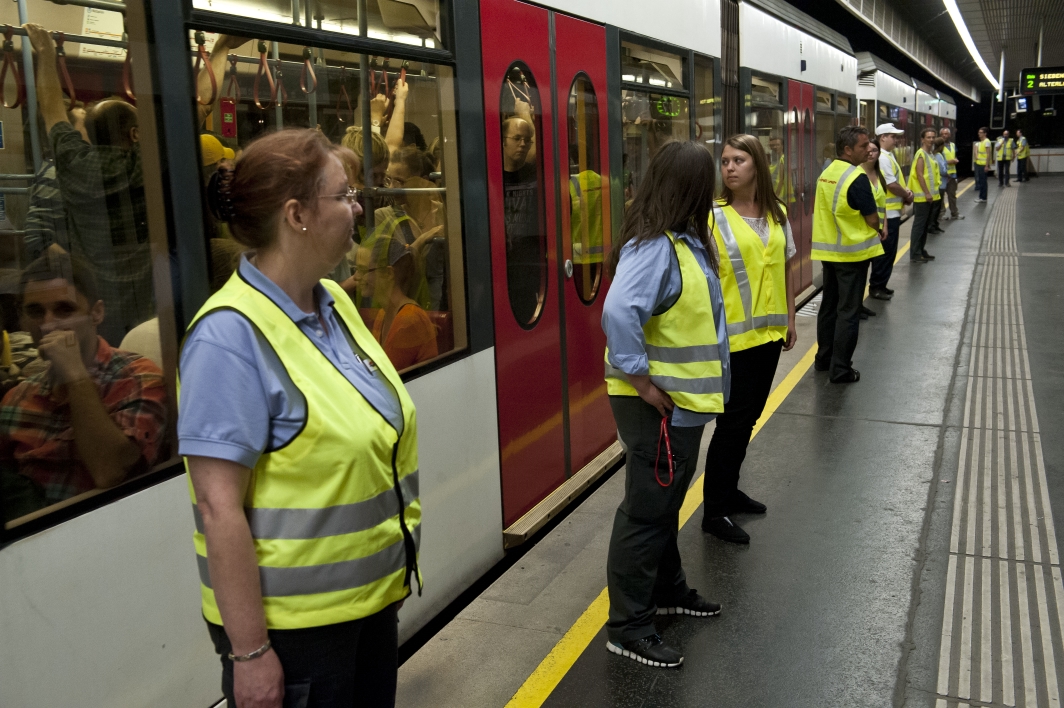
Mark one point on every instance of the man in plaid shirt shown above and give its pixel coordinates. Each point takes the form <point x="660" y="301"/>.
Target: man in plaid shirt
<point x="95" y="416"/>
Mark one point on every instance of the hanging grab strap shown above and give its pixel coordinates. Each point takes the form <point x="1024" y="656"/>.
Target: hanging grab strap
<point x="60" y="60"/>
<point x="264" y="68"/>
<point x="664" y="435"/>
<point x="127" y="77"/>
<point x="391" y="97"/>
<point x="280" y="93"/>
<point x="308" y="70"/>
<point x="204" y="59"/>
<point x="372" y="76"/>
<point x="344" y="97"/>
<point x="10" y="64"/>
<point x="232" y="89"/>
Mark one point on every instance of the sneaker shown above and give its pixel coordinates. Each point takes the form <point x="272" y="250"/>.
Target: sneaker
<point x="980" y="201"/>
<point x="960" y="216"/>
<point x="691" y="604"/>
<point x="652" y="651"/>
<point x="725" y="529"/>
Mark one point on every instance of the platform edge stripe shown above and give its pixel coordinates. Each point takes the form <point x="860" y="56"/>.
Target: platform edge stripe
<point x="1008" y="680"/>
<point x="946" y="645"/>
<point x="986" y="627"/>
<point x="538" y="687"/>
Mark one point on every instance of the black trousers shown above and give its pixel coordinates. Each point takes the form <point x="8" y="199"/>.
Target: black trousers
<point x="839" y="316"/>
<point x="1003" y="172"/>
<point x="883" y="266"/>
<point x="346" y="665"/>
<point x="751" y="382"/>
<point x="1021" y="169"/>
<point x="643" y="566"/>
<point x="921" y="220"/>
<point x="936" y="212"/>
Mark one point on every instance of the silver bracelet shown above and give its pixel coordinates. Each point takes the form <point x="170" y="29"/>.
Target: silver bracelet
<point x="253" y="655"/>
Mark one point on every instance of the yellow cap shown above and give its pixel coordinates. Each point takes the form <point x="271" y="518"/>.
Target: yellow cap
<point x="211" y="149"/>
<point x="228" y="152"/>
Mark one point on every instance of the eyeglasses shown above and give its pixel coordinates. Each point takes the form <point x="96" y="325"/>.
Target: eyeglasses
<point x="519" y="139"/>
<point x="352" y="195"/>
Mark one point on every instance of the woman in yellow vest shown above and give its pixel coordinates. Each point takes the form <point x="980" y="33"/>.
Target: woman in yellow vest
<point x="301" y="446"/>
<point x="984" y="160"/>
<point x="753" y="238"/>
<point x="923" y="183"/>
<point x="667" y="376"/>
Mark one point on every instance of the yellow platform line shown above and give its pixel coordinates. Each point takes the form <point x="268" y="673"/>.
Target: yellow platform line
<point x="538" y="687"/>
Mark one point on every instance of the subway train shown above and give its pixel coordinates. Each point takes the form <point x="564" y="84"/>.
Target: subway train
<point x="524" y="130"/>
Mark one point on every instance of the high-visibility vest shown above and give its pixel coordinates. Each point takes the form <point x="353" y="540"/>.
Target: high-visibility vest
<point x="982" y="151"/>
<point x="894" y="202"/>
<point x="753" y="278"/>
<point x="840" y="233"/>
<point x="936" y="194"/>
<point x="949" y="150"/>
<point x="1005" y="149"/>
<point x="585" y="220"/>
<point x="929" y="171"/>
<point x="780" y="183"/>
<point x="334" y="514"/>
<point x="880" y="194"/>
<point x="1023" y="150"/>
<point x="682" y="349"/>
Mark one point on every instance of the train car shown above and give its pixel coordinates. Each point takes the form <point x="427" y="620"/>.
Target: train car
<point x="796" y="98"/>
<point x="888" y="95"/>
<point x="927" y="103"/>
<point x="947" y="112"/>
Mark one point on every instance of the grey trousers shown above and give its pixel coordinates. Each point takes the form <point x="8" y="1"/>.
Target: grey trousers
<point x="951" y="192"/>
<point x="839" y="317"/>
<point x="643" y="566"/>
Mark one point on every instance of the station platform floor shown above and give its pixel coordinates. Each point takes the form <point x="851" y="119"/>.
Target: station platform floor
<point x="909" y="555"/>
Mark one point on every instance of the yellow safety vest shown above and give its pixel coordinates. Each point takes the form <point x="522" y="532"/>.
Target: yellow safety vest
<point x="949" y="151"/>
<point x="780" y="182"/>
<point x="894" y="202"/>
<point x="681" y="345"/>
<point x="585" y="220"/>
<point x="753" y="278"/>
<point x="334" y="514"/>
<point x="982" y="151"/>
<point x="1023" y="150"/>
<point x="1005" y="149"/>
<point x="930" y="170"/>
<point x="880" y="195"/>
<point x="840" y="233"/>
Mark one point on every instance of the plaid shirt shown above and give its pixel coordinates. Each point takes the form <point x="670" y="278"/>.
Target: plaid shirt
<point x="37" y="433"/>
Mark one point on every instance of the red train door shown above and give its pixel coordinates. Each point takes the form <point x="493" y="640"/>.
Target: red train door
<point x="801" y="157"/>
<point x="549" y="229"/>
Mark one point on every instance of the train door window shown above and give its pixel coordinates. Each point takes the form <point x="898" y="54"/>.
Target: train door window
<point x="824" y="102"/>
<point x="84" y="404"/>
<point x="867" y="116"/>
<point x="825" y="130"/>
<point x="810" y="170"/>
<point x="586" y="233"/>
<point x="705" y="102"/>
<point x="766" y="121"/>
<point x="524" y="194"/>
<point x="842" y="114"/>
<point x="651" y="67"/>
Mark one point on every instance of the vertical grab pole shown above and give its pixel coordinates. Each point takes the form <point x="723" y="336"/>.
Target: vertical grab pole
<point x="31" y="89"/>
<point x="312" y="97"/>
<point x="367" y="128"/>
<point x="278" y="110"/>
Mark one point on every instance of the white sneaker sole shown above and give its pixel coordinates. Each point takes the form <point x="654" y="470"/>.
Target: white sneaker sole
<point x="685" y="611"/>
<point x="621" y="651"/>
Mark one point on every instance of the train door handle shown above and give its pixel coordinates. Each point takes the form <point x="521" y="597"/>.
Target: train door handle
<point x="568" y="268"/>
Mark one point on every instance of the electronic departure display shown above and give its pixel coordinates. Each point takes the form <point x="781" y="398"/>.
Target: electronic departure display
<point x="1043" y="79"/>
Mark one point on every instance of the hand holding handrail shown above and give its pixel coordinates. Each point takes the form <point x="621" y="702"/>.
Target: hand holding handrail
<point x="308" y="70"/>
<point x="10" y="64"/>
<point x="264" y="68"/>
<point x="204" y="59"/>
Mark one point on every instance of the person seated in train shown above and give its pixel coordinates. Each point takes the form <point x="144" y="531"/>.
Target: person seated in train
<point x="777" y="166"/>
<point x="523" y="217"/>
<point x="387" y="274"/>
<point x="96" y="415"/>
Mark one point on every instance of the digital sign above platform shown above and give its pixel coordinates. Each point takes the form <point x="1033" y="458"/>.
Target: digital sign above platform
<point x="1043" y="80"/>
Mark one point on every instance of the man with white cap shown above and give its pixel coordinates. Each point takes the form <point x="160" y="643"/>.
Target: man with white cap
<point x="897" y="197"/>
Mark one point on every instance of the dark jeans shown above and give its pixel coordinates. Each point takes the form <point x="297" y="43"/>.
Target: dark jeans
<point x="336" y="666"/>
<point x="643" y="566"/>
<point x="839" y="317"/>
<point x="980" y="180"/>
<point x="751" y="382"/>
<point x="883" y="266"/>
<point x="1021" y="169"/>
<point x="1003" y="172"/>
<point x="936" y="213"/>
<point x="921" y="220"/>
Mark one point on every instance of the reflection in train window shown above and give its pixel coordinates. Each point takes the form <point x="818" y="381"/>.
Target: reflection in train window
<point x="825" y="141"/>
<point x="705" y="102"/>
<point x="842" y="104"/>
<point x="523" y="195"/>
<point x="649" y="121"/>
<point x="586" y="189"/>
<point x="767" y="124"/>
<point x="823" y="101"/>
<point x="653" y="67"/>
<point x="405" y="272"/>
<point x="809" y="172"/>
<point x="83" y="399"/>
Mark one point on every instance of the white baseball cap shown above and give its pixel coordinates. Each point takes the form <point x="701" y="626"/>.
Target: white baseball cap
<point x="888" y="129"/>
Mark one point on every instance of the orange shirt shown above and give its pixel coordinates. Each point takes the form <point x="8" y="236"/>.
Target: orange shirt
<point x="411" y="338"/>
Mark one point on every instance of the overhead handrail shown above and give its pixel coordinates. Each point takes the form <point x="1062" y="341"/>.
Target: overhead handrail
<point x="204" y="59"/>
<point x="109" y="5"/>
<point x="60" y="60"/>
<point x="264" y="68"/>
<point x="12" y="65"/>
<point x="342" y="96"/>
<point x="232" y="89"/>
<point x="308" y="70"/>
<point x="79" y="38"/>
<point x="280" y="93"/>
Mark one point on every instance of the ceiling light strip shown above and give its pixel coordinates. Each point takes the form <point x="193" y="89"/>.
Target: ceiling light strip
<point x="966" y="36"/>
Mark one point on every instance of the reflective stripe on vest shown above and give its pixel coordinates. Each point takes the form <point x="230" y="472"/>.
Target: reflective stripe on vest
<point x="894" y="202"/>
<point x="982" y="151"/>
<point x="929" y="178"/>
<point x="949" y="150"/>
<point x="880" y="195"/>
<point x="682" y="350"/>
<point x="1005" y="149"/>
<point x="745" y="328"/>
<point x="840" y="233"/>
<point x="1022" y="149"/>
<point x="334" y="514"/>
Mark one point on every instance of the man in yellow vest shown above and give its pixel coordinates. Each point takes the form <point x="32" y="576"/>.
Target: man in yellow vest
<point x="924" y="185"/>
<point x="897" y="197"/>
<point x="983" y="161"/>
<point x="1023" y="151"/>
<point x="949" y="151"/>
<point x="846" y="236"/>
<point x="1004" y="151"/>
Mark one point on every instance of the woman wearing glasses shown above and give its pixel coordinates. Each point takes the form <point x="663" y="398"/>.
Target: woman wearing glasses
<point x="301" y="446"/>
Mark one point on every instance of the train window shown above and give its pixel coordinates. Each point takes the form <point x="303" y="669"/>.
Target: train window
<point x="405" y="272"/>
<point x="84" y="402"/>
<point x="842" y="104"/>
<point x="524" y="194"/>
<point x="414" y="22"/>
<point x="649" y="121"/>
<point x="767" y="125"/>
<point x="653" y="67"/>
<point x="866" y="116"/>
<point x="705" y="102"/>
<point x="824" y="101"/>
<point x="825" y="141"/>
<point x="587" y="234"/>
<point x="763" y="92"/>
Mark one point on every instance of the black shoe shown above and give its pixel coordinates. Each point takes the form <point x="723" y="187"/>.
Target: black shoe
<point x="927" y="256"/>
<point x="879" y="294"/>
<point x="935" y="231"/>
<point x="918" y="259"/>
<point x="652" y="651"/>
<point x="746" y="505"/>
<point x="887" y="290"/>
<point x="690" y="604"/>
<point x="725" y="529"/>
<point x="852" y="376"/>
<point x="867" y="312"/>
<point x="862" y="315"/>
<point x="959" y="216"/>
<point x="817" y="366"/>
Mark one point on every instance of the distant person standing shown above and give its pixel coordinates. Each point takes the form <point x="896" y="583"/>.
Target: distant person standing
<point x="1004" y="151"/>
<point x="923" y="182"/>
<point x="941" y="174"/>
<point x="667" y="375"/>
<point x="846" y="236"/>
<point x="1023" y="151"/>
<point x="949" y="151"/>
<point x="983" y="161"/>
<point x="897" y="197"/>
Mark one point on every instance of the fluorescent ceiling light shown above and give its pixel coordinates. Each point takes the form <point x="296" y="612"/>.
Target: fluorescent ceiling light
<point x="962" y="29"/>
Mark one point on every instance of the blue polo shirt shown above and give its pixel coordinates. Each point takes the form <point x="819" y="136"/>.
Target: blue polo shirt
<point x="237" y="399"/>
